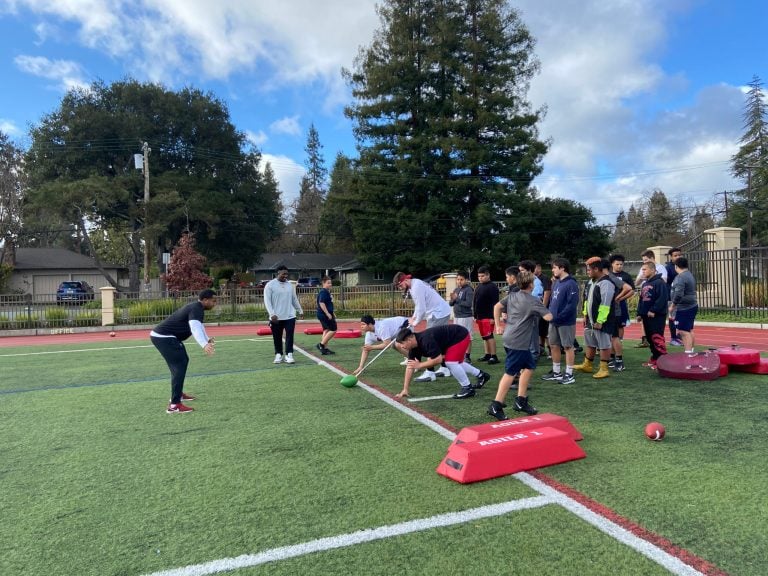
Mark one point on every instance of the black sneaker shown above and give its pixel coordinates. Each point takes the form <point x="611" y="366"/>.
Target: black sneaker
<point x="327" y="351"/>
<point x="611" y="363"/>
<point x="483" y="358"/>
<point x="464" y="393"/>
<point x="521" y="405"/>
<point x="496" y="409"/>
<point x="482" y="378"/>
<point x="618" y="366"/>
<point x="320" y="347"/>
<point x="568" y="379"/>
<point x="552" y="376"/>
<point x="493" y="360"/>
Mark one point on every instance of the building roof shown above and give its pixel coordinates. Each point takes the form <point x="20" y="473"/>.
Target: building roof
<point x="55" y="259"/>
<point x="302" y="261"/>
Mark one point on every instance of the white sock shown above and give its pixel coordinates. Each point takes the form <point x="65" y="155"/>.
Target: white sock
<point x="569" y="370"/>
<point x="458" y="372"/>
<point x="556" y="367"/>
<point x="469" y="369"/>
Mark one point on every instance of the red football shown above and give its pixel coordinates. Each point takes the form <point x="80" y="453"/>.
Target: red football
<point x="654" y="431"/>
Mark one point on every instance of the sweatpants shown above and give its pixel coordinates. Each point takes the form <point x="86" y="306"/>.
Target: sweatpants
<point x="289" y="326"/>
<point x="654" y="332"/>
<point x="175" y="355"/>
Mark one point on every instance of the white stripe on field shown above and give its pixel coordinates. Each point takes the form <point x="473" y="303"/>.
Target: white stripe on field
<point x="119" y="348"/>
<point x="425" y="398"/>
<point x="359" y="537"/>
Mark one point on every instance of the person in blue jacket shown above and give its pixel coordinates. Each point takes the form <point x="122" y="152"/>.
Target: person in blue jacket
<point x="563" y="305"/>
<point x="652" y="310"/>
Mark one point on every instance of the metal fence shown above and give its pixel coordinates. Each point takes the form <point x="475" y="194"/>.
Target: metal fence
<point x="733" y="283"/>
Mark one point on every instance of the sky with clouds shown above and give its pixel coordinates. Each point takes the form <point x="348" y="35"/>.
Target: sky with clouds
<point x="639" y="94"/>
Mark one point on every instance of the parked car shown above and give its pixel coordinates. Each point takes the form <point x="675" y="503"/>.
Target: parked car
<point x="308" y="282"/>
<point x="77" y="291"/>
<point x="260" y="285"/>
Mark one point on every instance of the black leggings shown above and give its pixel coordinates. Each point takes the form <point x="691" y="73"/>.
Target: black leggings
<point x="277" y="335"/>
<point x="175" y="355"/>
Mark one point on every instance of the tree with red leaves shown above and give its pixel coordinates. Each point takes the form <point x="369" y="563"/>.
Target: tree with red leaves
<point x="185" y="271"/>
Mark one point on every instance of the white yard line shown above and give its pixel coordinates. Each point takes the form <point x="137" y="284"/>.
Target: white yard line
<point x="425" y="398"/>
<point x="120" y="348"/>
<point x="359" y="537"/>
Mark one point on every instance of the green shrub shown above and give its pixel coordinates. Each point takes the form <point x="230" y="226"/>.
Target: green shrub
<point x="56" y="316"/>
<point x="87" y="318"/>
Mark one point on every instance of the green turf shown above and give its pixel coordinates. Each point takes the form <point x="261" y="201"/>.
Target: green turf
<point x="95" y="478"/>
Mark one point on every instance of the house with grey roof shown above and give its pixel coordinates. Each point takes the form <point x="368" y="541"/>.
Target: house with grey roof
<point x="342" y="267"/>
<point x="39" y="271"/>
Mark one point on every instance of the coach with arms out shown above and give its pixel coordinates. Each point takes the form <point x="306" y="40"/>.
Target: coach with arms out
<point x="168" y="337"/>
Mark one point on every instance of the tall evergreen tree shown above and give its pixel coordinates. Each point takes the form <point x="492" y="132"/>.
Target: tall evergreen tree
<point x="335" y="225"/>
<point x="448" y="142"/>
<point x="750" y="164"/>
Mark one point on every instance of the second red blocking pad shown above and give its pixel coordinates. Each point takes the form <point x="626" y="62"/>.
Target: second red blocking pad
<point x="514" y="425"/>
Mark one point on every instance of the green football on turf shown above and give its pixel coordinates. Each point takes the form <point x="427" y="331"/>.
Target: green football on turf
<point x="349" y="380"/>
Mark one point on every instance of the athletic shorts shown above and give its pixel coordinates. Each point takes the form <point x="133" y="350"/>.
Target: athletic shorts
<point x="327" y="323"/>
<point x="485" y="328"/>
<point x="623" y="319"/>
<point x="562" y="336"/>
<point x="432" y="322"/>
<point x="457" y="352"/>
<point x="684" y="319"/>
<point x="518" y="360"/>
<point x="468" y="323"/>
<point x="597" y="339"/>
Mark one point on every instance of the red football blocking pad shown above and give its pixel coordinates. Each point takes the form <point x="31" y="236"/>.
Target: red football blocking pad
<point x="723" y="370"/>
<point x="515" y="425"/>
<point x="313" y="330"/>
<point x="503" y="455"/>
<point x="348" y="334"/>
<point x="735" y="355"/>
<point x="263" y="331"/>
<point x="756" y="368"/>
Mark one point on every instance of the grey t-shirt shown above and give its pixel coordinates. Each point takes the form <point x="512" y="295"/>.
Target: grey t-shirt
<point x="683" y="293"/>
<point x="523" y="313"/>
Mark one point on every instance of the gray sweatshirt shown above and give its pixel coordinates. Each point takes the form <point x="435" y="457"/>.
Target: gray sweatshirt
<point x="461" y="300"/>
<point x="280" y="300"/>
<point x="684" y="291"/>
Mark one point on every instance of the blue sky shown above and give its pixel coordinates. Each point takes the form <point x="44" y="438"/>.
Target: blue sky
<point x="639" y="94"/>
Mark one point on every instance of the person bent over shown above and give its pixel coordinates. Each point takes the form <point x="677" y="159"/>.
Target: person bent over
<point x="447" y="343"/>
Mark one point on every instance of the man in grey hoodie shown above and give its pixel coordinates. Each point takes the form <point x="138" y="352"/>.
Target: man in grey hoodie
<point x="683" y="304"/>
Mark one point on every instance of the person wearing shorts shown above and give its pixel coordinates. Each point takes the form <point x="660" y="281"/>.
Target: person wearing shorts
<point x="325" y="315"/>
<point x="447" y="343"/>
<point x="486" y="297"/>
<point x="683" y="304"/>
<point x="599" y="317"/>
<point x="523" y="312"/>
<point x="562" y="329"/>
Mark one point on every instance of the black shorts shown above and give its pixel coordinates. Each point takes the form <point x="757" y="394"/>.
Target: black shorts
<point x="327" y="323"/>
<point x="543" y="328"/>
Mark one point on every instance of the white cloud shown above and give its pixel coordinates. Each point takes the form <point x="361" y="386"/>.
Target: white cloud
<point x="288" y="173"/>
<point x="9" y="128"/>
<point x="288" y="125"/>
<point x="67" y="73"/>
<point x="256" y="138"/>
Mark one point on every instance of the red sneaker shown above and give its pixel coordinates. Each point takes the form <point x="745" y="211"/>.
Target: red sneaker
<point x="178" y="409"/>
<point x="187" y="397"/>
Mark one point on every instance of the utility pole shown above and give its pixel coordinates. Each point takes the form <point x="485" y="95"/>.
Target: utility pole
<point x="146" y="150"/>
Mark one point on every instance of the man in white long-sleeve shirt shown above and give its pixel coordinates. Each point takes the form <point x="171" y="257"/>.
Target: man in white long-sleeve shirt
<point x="429" y="306"/>
<point x="168" y="337"/>
<point x="282" y="306"/>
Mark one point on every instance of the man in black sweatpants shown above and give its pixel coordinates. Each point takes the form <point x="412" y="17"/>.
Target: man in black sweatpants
<point x="168" y="337"/>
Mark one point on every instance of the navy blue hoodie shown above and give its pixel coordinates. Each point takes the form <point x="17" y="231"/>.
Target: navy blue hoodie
<point x="654" y="297"/>
<point x="564" y="301"/>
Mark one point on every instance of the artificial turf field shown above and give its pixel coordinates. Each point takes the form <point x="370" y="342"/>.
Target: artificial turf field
<point x="280" y="470"/>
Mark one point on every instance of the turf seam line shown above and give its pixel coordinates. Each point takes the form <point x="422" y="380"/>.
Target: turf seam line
<point x="359" y="537"/>
<point x="111" y="348"/>
<point x="425" y="398"/>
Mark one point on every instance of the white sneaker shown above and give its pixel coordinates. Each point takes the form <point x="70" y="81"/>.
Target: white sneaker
<point x="404" y="362"/>
<point x="278" y="359"/>
<point x="289" y="358"/>
<point x="427" y="376"/>
<point x="443" y="371"/>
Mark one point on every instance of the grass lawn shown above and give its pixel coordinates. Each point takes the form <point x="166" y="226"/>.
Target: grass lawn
<point x="96" y="479"/>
